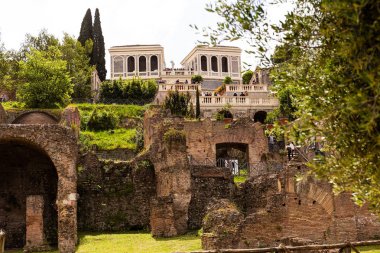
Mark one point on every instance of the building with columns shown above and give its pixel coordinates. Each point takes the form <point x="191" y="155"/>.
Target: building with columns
<point x="148" y="61"/>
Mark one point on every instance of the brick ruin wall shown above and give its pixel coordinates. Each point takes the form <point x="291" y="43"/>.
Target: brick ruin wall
<point x="275" y="208"/>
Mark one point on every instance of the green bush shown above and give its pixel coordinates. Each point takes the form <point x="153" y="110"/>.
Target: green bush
<point x="174" y="135"/>
<point x="102" y="120"/>
<point x="196" y="79"/>
<point x="178" y="103"/>
<point x="227" y="80"/>
<point x="136" y="88"/>
<point x="247" y="76"/>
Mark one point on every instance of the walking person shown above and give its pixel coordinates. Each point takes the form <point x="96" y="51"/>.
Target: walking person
<point x="292" y="148"/>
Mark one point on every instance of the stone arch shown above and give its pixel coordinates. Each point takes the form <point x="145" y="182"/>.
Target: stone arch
<point x="203" y="63"/>
<point x="142" y="63"/>
<point x="35" y="117"/>
<point x="153" y="63"/>
<point x="260" y="116"/>
<point x="131" y="64"/>
<point x="59" y="144"/>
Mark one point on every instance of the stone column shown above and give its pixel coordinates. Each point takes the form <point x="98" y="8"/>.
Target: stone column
<point x="35" y="239"/>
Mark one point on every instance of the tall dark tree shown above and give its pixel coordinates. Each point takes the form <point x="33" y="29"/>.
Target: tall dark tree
<point x="99" y="51"/>
<point x="86" y="32"/>
<point x="197" y="105"/>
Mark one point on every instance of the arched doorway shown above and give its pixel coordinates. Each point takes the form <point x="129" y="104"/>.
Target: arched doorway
<point x="233" y="156"/>
<point x="28" y="192"/>
<point x="260" y="116"/>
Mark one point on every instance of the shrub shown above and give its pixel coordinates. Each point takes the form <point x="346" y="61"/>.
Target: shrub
<point x="227" y="80"/>
<point x="247" y="76"/>
<point x="196" y="79"/>
<point x="177" y="103"/>
<point x="102" y="120"/>
<point x="136" y="89"/>
<point x="174" y="135"/>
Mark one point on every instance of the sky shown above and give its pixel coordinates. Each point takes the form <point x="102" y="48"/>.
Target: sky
<point x="124" y="22"/>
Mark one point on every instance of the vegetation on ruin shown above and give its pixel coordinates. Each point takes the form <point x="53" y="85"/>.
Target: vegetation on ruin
<point x="100" y="126"/>
<point x="108" y="140"/>
<point x="174" y="135"/>
<point x="325" y="68"/>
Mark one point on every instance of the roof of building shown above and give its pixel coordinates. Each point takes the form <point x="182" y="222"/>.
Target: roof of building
<point x="139" y="45"/>
<point x="214" y="48"/>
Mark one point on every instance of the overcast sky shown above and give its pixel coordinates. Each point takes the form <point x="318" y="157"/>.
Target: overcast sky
<point x="124" y="22"/>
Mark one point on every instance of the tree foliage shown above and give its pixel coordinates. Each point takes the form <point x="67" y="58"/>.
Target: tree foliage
<point x="136" y="89"/>
<point x="178" y="103"/>
<point x="78" y="65"/>
<point x="86" y="30"/>
<point x="99" y="52"/>
<point x="45" y="79"/>
<point x="247" y="76"/>
<point x="227" y="80"/>
<point x="326" y="72"/>
<point x="196" y="79"/>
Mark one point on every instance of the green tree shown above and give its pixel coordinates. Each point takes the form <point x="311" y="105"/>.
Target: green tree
<point x="78" y="65"/>
<point x="45" y="79"/>
<point x="328" y="65"/>
<point x="41" y="42"/>
<point x="86" y="32"/>
<point x="247" y="76"/>
<point x="197" y="105"/>
<point x="99" y="52"/>
<point x="196" y="79"/>
<point x="177" y="103"/>
<point x="227" y="80"/>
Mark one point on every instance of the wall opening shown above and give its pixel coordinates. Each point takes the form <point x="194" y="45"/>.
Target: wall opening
<point x="25" y="172"/>
<point x="131" y="64"/>
<point x="203" y="63"/>
<point x="233" y="156"/>
<point x="260" y="116"/>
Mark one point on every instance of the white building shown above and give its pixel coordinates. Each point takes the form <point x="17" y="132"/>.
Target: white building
<point x="212" y="63"/>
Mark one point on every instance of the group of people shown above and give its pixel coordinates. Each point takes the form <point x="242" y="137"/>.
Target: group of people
<point x="242" y="94"/>
<point x="209" y="94"/>
<point x="178" y="82"/>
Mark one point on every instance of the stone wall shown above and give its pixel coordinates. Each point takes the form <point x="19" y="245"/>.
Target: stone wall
<point x="33" y="116"/>
<point x="114" y="196"/>
<point x="207" y="184"/>
<point x="279" y="209"/>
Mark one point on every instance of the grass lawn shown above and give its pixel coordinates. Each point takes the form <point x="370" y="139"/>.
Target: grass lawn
<point x="111" y="139"/>
<point x="370" y="249"/>
<point x="133" y="243"/>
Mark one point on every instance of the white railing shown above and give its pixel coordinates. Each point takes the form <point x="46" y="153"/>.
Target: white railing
<point x="237" y="101"/>
<point x="179" y="87"/>
<point x="246" y="87"/>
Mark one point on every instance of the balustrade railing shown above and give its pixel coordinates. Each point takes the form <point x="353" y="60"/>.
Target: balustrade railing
<point x="237" y="100"/>
<point x="246" y="87"/>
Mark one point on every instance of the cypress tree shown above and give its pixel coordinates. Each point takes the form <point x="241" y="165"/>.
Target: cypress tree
<point x="86" y="28"/>
<point x="198" y="105"/>
<point x="99" y="52"/>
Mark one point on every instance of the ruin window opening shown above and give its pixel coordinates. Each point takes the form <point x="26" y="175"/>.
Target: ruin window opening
<point x="233" y="156"/>
<point x="260" y="116"/>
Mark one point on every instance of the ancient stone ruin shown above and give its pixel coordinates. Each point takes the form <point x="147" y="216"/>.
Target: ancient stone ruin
<point x="178" y="183"/>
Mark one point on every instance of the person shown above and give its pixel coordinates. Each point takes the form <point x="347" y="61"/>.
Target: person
<point x="289" y="149"/>
<point x="242" y="94"/>
<point x="186" y="82"/>
<point x="177" y="82"/>
<point x="292" y="148"/>
<point x="235" y="94"/>
<point x="271" y="143"/>
<point x="246" y="93"/>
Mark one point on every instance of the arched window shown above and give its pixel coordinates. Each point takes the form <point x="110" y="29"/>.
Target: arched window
<point x="154" y="63"/>
<point x="214" y="64"/>
<point x="118" y="64"/>
<point x="142" y="64"/>
<point x="224" y="64"/>
<point x="131" y="64"/>
<point x="203" y="63"/>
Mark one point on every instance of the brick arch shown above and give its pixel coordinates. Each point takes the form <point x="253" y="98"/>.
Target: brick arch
<point x="35" y="117"/>
<point x="319" y="193"/>
<point x="59" y="144"/>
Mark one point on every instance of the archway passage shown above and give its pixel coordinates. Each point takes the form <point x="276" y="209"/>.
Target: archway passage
<point x="28" y="183"/>
<point x="260" y="116"/>
<point x="232" y="155"/>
